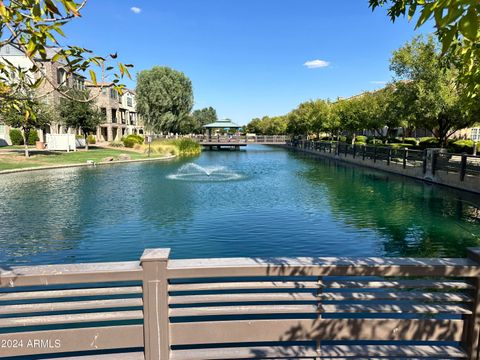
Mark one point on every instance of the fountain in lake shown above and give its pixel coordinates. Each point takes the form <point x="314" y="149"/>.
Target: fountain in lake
<point x="195" y="172"/>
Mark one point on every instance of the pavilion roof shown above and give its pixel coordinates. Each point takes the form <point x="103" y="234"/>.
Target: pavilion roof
<point x="220" y="124"/>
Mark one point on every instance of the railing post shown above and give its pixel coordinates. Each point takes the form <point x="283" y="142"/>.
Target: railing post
<point x="405" y="158"/>
<point x="389" y="156"/>
<point x="425" y="161"/>
<point x="364" y="152"/>
<point x="375" y="154"/>
<point x="471" y="331"/>
<point x="434" y="161"/>
<point x="354" y="151"/>
<point x="156" y="327"/>
<point x="463" y="167"/>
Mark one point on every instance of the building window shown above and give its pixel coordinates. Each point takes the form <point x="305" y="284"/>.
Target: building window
<point x="129" y="101"/>
<point x="113" y="94"/>
<point x="475" y="134"/>
<point x="2" y="129"/>
<point x="61" y="77"/>
<point x="7" y="49"/>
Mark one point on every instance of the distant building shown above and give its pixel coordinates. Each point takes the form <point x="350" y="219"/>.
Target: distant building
<point x="119" y="111"/>
<point x="56" y="74"/>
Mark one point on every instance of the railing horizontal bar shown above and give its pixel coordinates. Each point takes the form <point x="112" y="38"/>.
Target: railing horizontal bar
<point x="217" y="332"/>
<point x="239" y="285"/>
<point x="398" y="295"/>
<point x="219" y="298"/>
<point x="330" y="351"/>
<point x="71" y="305"/>
<point x="277" y="352"/>
<point x="69" y="340"/>
<point x="71" y="274"/>
<point x="394" y="308"/>
<point x="239" y="267"/>
<point x="243" y="310"/>
<point x="312" y="309"/>
<point x="71" y="318"/>
<point x="53" y="294"/>
<point x="292" y="296"/>
<point x="401" y="284"/>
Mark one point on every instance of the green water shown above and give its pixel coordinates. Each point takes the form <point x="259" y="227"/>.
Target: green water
<point x="263" y="201"/>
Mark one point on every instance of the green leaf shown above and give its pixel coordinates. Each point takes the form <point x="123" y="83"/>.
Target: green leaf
<point x="51" y="7"/>
<point x="469" y="25"/>
<point x="93" y="76"/>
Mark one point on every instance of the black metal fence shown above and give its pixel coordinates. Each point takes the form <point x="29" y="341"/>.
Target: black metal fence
<point x="463" y="164"/>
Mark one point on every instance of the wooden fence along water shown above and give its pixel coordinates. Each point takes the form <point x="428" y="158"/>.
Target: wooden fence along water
<point x="244" y="308"/>
<point x="457" y="170"/>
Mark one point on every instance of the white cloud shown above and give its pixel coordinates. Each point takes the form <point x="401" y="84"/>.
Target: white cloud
<point x="136" y="10"/>
<point x="316" y="64"/>
<point x="378" y="82"/>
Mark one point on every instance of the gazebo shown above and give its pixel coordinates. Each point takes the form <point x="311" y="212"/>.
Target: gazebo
<point x="220" y="124"/>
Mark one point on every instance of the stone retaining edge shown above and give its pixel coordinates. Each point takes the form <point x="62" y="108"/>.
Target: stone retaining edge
<point x="66" y="166"/>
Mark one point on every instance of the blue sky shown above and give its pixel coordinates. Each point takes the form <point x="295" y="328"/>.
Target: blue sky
<point x="247" y="58"/>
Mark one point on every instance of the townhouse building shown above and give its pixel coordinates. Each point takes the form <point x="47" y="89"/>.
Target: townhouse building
<point x="56" y="74"/>
<point x="119" y="111"/>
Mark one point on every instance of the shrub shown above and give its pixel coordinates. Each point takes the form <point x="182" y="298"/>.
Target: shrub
<point x="79" y="136"/>
<point x="186" y="146"/>
<point x="428" y="142"/>
<point x="401" y="146"/>
<point x="16" y="137"/>
<point x="342" y="138"/>
<point x="394" y="140"/>
<point x="116" y="143"/>
<point x="411" y="141"/>
<point x="33" y="137"/>
<point x="375" y="141"/>
<point x="130" y="140"/>
<point x="462" y="146"/>
<point x="91" y="139"/>
<point x="361" y="139"/>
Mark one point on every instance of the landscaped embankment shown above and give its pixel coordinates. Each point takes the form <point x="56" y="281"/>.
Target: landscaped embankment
<point x="460" y="171"/>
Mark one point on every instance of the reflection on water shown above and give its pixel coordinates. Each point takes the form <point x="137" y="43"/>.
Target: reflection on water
<point x="285" y="204"/>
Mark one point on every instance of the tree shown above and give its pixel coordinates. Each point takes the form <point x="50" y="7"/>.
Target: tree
<point x="351" y="114"/>
<point x="457" y="26"/>
<point x="28" y="115"/>
<point x="255" y="126"/>
<point x="309" y="117"/>
<point x="164" y="98"/>
<point x="203" y="117"/>
<point x="436" y="100"/>
<point x="33" y="27"/>
<point x="80" y="114"/>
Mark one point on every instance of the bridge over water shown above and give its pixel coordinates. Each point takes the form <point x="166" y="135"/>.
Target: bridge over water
<point x="240" y="141"/>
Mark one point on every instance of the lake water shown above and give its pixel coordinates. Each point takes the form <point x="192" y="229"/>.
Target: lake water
<point x="263" y="201"/>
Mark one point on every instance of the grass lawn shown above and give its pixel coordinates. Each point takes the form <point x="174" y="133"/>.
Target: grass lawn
<point x="17" y="160"/>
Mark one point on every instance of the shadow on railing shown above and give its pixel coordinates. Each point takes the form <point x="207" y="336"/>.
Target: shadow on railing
<point x="247" y="308"/>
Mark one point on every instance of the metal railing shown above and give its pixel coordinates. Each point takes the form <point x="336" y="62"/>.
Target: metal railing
<point x="463" y="164"/>
<point x="245" y="308"/>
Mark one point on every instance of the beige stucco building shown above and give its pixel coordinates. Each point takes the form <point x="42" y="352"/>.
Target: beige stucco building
<point x="119" y="111"/>
<point x="55" y="74"/>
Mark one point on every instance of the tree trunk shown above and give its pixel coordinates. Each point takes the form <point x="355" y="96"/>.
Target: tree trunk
<point x="26" y="133"/>
<point x="86" y="140"/>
